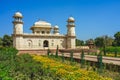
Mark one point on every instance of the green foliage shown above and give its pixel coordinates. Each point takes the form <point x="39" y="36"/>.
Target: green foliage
<point x="48" y="52"/>
<point x="99" y="42"/>
<point x="79" y="42"/>
<point x="116" y="53"/>
<point x="104" y="50"/>
<point x="22" y="67"/>
<point x="66" y="71"/>
<point x="7" y="56"/>
<point x="63" y="57"/>
<point x="71" y="56"/>
<point x="100" y="64"/>
<point x="108" y="41"/>
<point x="1" y="42"/>
<point x="103" y="41"/>
<point x="57" y="51"/>
<point x="25" y="68"/>
<point x="7" y="41"/>
<point x="117" y="39"/>
<point x="6" y="53"/>
<point x="112" y="49"/>
<point x="82" y="59"/>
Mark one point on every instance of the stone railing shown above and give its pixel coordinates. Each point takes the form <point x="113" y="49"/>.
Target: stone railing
<point x="82" y="47"/>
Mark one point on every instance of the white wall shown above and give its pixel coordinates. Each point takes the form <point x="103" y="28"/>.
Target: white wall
<point x="37" y="42"/>
<point x="18" y="29"/>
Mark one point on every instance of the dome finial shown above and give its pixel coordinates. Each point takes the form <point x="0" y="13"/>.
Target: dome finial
<point x="71" y="15"/>
<point x="39" y="19"/>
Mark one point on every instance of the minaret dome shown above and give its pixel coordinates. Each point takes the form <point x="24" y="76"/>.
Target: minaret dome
<point x="71" y="19"/>
<point x="18" y="15"/>
<point x="56" y="29"/>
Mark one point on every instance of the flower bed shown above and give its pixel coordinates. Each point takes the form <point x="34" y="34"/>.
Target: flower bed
<point x="112" y="55"/>
<point x="65" y="71"/>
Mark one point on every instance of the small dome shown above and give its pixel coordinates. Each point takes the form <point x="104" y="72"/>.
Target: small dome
<point x="18" y="14"/>
<point x="56" y="26"/>
<point x="71" y="19"/>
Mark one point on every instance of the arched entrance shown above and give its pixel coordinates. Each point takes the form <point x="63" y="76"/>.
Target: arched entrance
<point x="45" y="43"/>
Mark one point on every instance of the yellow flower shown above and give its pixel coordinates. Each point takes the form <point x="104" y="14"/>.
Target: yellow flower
<point x="67" y="71"/>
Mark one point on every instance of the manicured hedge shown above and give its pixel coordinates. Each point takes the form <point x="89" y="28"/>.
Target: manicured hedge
<point x="112" y="49"/>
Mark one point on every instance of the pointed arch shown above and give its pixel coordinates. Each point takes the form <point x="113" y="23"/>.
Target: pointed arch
<point x="45" y="43"/>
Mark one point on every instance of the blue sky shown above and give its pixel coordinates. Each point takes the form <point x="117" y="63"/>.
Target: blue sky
<point x="93" y="17"/>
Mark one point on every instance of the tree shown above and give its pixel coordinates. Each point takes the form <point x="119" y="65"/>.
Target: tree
<point x="117" y="39"/>
<point x="104" y="41"/>
<point x="1" y="42"/>
<point x="99" y="42"/>
<point x="79" y="42"/>
<point x="108" y="41"/>
<point x="7" y="41"/>
<point x="57" y="51"/>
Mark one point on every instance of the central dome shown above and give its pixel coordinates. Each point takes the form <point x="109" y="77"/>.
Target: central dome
<point x="42" y="23"/>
